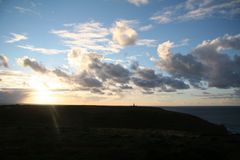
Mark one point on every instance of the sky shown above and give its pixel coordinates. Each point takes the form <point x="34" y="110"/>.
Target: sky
<point x="120" y="52"/>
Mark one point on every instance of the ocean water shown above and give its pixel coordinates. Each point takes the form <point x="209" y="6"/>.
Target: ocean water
<point x="229" y="116"/>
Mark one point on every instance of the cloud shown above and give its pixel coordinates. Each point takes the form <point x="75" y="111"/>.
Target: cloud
<point x="138" y="2"/>
<point x="60" y="73"/>
<point x="92" y="36"/>
<point x="222" y="70"/>
<point x="123" y="34"/>
<point x="83" y="78"/>
<point x="13" y="75"/>
<point x="197" y="9"/>
<point x="12" y="96"/>
<point x="126" y="87"/>
<point x="164" y="17"/>
<point x="26" y="11"/>
<point x="163" y="50"/>
<point x="3" y="61"/>
<point x="87" y="80"/>
<point x="237" y="92"/>
<point x="92" y="71"/>
<point x="108" y="75"/>
<point x="182" y="43"/>
<point x="94" y="63"/>
<point x="146" y="27"/>
<point x="146" y="42"/>
<point x="32" y="63"/>
<point x="225" y="95"/>
<point x="80" y="59"/>
<point x="16" y="37"/>
<point x="46" y="51"/>
<point x="149" y="80"/>
<point x="109" y="71"/>
<point x="208" y="62"/>
<point x="97" y="91"/>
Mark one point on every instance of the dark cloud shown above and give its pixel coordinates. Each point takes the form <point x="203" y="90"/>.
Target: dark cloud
<point x="97" y="91"/>
<point x="126" y="87"/>
<point x="12" y="96"/>
<point x="109" y="71"/>
<point x="134" y="65"/>
<point x="237" y="93"/>
<point x="32" y="63"/>
<point x="60" y="73"/>
<point x="87" y="80"/>
<point x="3" y="61"/>
<point x="149" y="80"/>
<point x="207" y="62"/>
<point x="220" y="69"/>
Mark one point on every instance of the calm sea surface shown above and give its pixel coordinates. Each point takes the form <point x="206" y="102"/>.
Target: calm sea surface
<point x="229" y="116"/>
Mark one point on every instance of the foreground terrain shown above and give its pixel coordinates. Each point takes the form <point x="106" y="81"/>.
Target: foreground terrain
<point x="90" y="132"/>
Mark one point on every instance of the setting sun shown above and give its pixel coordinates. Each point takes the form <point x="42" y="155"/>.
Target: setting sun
<point x="42" y="93"/>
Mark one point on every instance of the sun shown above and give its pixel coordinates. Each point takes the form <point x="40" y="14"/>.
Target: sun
<point x="42" y="93"/>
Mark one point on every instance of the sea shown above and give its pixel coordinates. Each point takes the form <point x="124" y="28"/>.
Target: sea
<point x="229" y="116"/>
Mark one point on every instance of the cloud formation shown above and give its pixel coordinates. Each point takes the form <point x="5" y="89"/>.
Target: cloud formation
<point x="109" y="71"/>
<point x="3" y="61"/>
<point x="146" y="27"/>
<point x="16" y="37"/>
<point x="97" y="76"/>
<point x="147" y="42"/>
<point x="87" y="80"/>
<point x="148" y="80"/>
<point x="207" y="65"/>
<point x="123" y="34"/>
<point x="138" y="2"/>
<point x="45" y="51"/>
<point x="92" y="36"/>
<point x="208" y="62"/>
<point x="163" y="50"/>
<point x="197" y="9"/>
<point x="32" y="63"/>
<point x="94" y="65"/>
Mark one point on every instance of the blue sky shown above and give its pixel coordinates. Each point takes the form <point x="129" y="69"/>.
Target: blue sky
<point x="179" y="49"/>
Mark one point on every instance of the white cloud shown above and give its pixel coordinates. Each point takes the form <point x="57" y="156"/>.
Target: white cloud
<point x="79" y="59"/>
<point x="197" y="9"/>
<point x="46" y="51"/>
<point x="146" y="27"/>
<point x="182" y="43"/>
<point x="163" y="18"/>
<point x="164" y="50"/>
<point x="147" y="42"/>
<point x="16" y="37"/>
<point x="12" y="79"/>
<point x="138" y="2"/>
<point x="123" y="34"/>
<point x="91" y="36"/>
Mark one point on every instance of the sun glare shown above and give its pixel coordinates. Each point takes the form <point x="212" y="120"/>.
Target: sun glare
<point x="42" y="91"/>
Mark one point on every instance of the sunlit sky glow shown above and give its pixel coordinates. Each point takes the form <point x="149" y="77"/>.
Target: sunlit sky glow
<point x="120" y="52"/>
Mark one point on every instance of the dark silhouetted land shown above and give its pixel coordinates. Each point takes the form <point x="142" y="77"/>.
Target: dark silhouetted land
<point x="100" y="132"/>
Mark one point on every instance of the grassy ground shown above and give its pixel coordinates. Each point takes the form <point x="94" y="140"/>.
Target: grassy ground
<point x="80" y="132"/>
